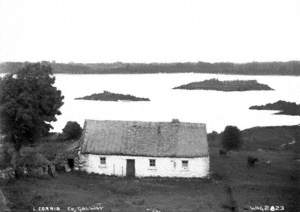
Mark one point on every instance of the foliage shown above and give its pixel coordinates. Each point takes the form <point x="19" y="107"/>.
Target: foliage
<point x="109" y="96"/>
<point x="213" y="139"/>
<point x="28" y="103"/>
<point x="285" y="108"/>
<point x="231" y="138"/>
<point x="30" y="158"/>
<point x="72" y="130"/>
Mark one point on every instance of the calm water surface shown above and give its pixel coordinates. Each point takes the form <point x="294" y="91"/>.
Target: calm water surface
<point x="215" y="108"/>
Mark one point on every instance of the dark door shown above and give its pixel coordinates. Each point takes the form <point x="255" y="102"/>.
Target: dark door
<point x="130" y="168"/>
<point x="71" y="163"/>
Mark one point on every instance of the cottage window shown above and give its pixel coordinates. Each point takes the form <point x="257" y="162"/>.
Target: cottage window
<point x="103" y="161"/>
<point x="185" y="164"/>
<point x="152" y="163"/>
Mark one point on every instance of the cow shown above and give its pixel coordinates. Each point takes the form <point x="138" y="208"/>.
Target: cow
<point x="222" y="152"/>
<point x="251" y="161"/>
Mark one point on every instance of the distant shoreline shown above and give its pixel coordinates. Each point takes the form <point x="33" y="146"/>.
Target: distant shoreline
<point x="291" y="68"/>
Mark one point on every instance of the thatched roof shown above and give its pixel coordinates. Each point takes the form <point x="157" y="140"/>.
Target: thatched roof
<point x="156" y="139"/>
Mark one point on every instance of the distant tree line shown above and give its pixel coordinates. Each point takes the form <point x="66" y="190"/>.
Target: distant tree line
<point x="254" y="68"/>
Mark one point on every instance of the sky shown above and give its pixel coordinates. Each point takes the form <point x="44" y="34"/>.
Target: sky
<point x="149" y="30"/>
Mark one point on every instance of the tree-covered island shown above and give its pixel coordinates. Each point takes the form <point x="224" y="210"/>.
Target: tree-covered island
<point x="284" y="108"/>
<point x="231" y="85"/>
<point x="109" y="96"/>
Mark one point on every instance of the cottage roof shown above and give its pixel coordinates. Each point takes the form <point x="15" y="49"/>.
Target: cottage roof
<point x="136" y="138"/>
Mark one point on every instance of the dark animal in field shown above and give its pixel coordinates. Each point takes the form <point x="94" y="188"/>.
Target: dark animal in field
<point x="222" y="152"/>
<point x="251" y="161"/>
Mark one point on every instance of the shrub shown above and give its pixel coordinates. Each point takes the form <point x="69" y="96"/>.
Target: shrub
<point x="212" y="136"/>
<point x="30" y="158"/>
<point x="51" y="150"/>
<point x="72" y="130"/>
<point x="231" y="138"/>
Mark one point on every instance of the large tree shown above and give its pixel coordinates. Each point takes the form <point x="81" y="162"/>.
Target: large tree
<point x="29" y="102"/>
<point x="231" y="138"/>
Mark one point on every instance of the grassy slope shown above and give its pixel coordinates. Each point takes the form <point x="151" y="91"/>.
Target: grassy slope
<point x="116" y="193"/>
<point x="268" y="138"/>
<point x="266" y="184"/>
<point x="262" y="185"/>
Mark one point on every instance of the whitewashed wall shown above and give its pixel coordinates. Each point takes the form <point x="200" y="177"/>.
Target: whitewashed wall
<point x="116" y="165"/>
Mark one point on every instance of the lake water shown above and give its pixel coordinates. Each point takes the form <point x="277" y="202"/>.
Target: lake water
<point x="215" y="108"/>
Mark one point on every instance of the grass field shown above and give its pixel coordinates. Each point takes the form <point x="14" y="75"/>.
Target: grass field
<point x="231" y="183"/>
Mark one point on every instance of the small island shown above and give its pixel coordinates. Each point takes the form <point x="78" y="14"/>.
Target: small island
<point x="109" y="96"/>
<point x="232" y="85"/>
<point x="284" y="108"/>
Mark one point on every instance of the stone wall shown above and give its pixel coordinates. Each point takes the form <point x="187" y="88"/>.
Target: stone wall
<point x="6" y="175"/>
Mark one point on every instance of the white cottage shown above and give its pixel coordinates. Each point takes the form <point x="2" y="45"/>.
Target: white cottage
<point x="144" y="149"/>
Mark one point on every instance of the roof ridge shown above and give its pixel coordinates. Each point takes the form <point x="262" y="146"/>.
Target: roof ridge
<point x="151" y="122"/>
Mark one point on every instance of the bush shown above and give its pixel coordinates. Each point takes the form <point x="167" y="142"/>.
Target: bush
<point x="213" y="136"/>
<point x="51" y="150"/>
<point x="72" y="130"/>
<point x="231" y="138"/>
<point x="30" y="158"/>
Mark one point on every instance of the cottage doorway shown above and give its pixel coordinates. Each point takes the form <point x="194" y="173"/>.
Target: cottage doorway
<point x="130" y="168"/>
<point x="71" y="163"/>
